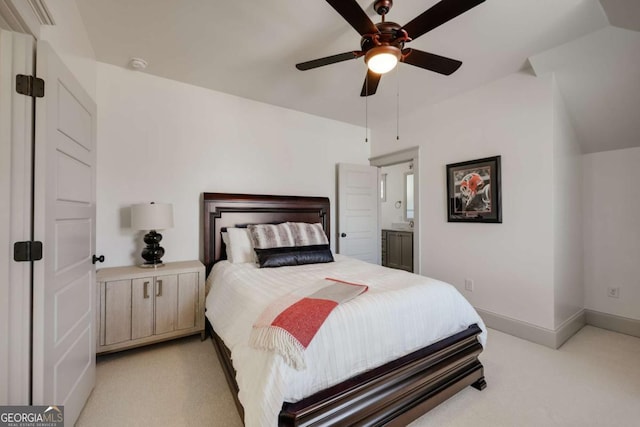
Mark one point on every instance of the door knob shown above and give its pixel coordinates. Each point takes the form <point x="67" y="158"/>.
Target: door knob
<point x="343" y="235"/>
<point x="97" y="259"/>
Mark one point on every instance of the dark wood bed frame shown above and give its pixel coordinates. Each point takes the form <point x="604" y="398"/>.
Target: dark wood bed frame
<point x="393" y="394"/>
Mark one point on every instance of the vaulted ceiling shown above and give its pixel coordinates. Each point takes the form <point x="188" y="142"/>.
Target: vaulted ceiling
<point x="249" y="48"/>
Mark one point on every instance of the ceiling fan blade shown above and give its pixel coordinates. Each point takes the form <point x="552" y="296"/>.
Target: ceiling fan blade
<point x="303" y="66"/>
<point x="437" y="15"/>
<point x="354" y="15"/>
<point x="370" y="84"/>
<point x="430" y="61"/>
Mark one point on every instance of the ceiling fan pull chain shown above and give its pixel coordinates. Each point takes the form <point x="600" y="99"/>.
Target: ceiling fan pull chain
<point x="397" y="104"/>
<point x="366" y="109"/>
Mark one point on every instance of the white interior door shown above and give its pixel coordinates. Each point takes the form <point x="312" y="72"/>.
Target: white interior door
<point x="64" y="217"/>
<point x="16" y="57"/>
<point x="358" y="234"/>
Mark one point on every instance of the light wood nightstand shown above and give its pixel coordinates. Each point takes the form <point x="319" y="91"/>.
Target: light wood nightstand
<point x="139" y="306"/>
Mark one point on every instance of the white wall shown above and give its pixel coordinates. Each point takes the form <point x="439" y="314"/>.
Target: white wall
<point x="389" y="213"/>
<point x="511" y="263"/>
<point x="612" y="231"/>
<point x="165" y="141"/>
<point x="70" y="41"/>
<point x="567" y="224"/>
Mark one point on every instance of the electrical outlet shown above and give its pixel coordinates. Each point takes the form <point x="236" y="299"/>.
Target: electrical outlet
<point x="613" y="292"/>
<point x="468" y="285"/>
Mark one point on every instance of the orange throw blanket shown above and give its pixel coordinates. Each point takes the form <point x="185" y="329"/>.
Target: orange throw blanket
<point x="288" y="325"/>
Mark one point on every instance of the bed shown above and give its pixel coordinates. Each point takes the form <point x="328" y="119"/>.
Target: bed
<point x="395" y="392"/>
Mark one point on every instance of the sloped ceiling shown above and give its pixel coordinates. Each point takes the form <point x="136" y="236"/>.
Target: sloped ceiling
<point x="623" y="13"/>
<point x="599" y="78"/>
<point x="249" y="48"/>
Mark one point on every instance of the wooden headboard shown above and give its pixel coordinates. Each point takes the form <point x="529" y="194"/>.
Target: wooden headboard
<point x="221" y="210"/>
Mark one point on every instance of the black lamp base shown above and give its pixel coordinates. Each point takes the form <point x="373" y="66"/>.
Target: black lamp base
<point x="153" y="253"/>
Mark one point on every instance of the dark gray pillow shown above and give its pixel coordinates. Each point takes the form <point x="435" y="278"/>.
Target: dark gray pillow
<point x="293" y="255"/>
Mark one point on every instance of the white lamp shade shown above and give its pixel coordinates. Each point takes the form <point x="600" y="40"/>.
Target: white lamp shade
<point x="152" y="216"/>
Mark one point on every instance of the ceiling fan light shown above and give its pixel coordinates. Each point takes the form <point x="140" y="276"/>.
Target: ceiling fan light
<point x="382" y="59"/>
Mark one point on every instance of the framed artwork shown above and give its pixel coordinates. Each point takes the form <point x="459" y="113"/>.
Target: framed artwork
<point x="473" y="191"/>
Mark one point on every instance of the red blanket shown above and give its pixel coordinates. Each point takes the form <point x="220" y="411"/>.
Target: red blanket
<point x="289" y="324"/>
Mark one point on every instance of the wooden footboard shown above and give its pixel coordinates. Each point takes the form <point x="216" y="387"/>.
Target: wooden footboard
<point x="393" y="394"/>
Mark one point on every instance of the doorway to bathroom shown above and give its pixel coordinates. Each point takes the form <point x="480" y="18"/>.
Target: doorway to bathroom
<point x="398" y="209"/>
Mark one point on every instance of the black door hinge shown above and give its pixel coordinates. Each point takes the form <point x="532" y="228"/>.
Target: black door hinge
<point x="27" y="251"/>
<point x="30" y="86"/>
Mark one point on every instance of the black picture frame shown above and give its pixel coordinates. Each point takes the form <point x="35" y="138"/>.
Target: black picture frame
<point x="474" y="191"/>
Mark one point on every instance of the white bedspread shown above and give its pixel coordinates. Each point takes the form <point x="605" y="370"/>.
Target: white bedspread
<point x="400" y="313"/>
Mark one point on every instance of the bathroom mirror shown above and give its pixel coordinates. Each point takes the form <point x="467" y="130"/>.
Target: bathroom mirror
<point x="408" y="196"/>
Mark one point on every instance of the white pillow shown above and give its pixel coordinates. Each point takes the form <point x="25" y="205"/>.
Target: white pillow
<point x="239" y="248"/>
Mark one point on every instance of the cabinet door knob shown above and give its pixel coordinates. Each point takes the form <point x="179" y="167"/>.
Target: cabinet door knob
<point x="159" y="293"/>
<point x="343" y="235"/>
<point x="95" y="259"/>
<point x="146" y="290"/>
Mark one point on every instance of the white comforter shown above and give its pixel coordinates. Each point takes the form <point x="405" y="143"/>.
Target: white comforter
<point x="400" y="313"/>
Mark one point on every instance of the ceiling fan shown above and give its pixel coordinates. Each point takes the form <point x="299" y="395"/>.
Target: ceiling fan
<point x="382" y="44"/>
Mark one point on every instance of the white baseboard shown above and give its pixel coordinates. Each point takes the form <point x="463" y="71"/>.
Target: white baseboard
<point x="555" y="338"/>
<point x="547" y="337"/>
<point x="623" y="325"/>
<point x="569" y="327"/>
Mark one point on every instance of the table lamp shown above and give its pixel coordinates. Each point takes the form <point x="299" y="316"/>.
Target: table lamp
<point x="152" y="216"/>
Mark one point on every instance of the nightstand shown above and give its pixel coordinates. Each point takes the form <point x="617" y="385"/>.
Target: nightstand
<point x="139" y="306"/>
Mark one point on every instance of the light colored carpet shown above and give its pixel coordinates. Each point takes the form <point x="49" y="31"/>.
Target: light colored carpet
<point x="593" y="380"/>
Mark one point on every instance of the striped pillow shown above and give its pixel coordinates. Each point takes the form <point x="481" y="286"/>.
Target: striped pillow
<point x="267" y="236"/>
<point x="305" y="234"/>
